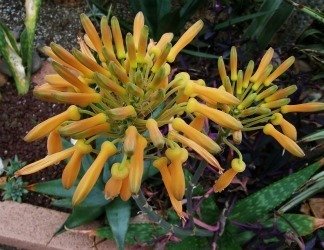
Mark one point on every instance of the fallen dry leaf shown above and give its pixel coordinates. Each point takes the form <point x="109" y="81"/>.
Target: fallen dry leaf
<point x="317" y="207"/>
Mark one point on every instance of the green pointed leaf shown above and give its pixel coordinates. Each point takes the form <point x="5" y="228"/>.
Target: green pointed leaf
<point x="63" y="203"/>
<point x="81" y="216"/>
<point x="53" y="188"/>
<point x="14" y="62"/>
<point x="299" y="223"/>
<point x="118" y="214"/>
<point x="319" y="135"/>
<point x="10" y="37"/>
<point x="263" y="28"/>
<point x="136" y="233"/>
<point x="257" y="205"/>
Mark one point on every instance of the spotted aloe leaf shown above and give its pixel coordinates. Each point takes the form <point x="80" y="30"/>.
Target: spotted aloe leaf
<point x="298" y="223"/>
<point x="257" y="205"/>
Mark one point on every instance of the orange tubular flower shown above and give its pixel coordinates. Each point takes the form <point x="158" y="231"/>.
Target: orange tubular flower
<point x="161" y="165"/>
<point x="177" y="156"/>
<point x="283" y="140"/>
<point x="155" y="133"/>
<point x="91" y="176"/>
<point x="217" y="116"/>
<point x="287" y="128"/>
<point x="45" y="162"/>
<point x="137" y="165"/>
<point x="54" y="142"/>
<point x="237" y="166"/>
<point x="197" y="148"/>
<point x="44" y="128"/>
<point x="185" y="39"/>
<point x="72" y="169"/>
<point x="193" y="134"/>
<point x="304" y="107"/>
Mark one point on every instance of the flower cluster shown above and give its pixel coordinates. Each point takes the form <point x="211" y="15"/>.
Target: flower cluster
<point x="122" y="90"/>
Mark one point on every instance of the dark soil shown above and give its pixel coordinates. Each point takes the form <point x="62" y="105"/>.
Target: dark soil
<point x="19" y="114"/>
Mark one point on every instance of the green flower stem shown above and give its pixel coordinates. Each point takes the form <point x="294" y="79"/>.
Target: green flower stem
<point x="172" y="91"/>
<point x="233" y="147"/>
<point x="192" y="184"/>
<point x="247" y="90"/>
<point x="252" y="128"/>
<point x="176" y="230"/>
<point x="88" y="112"/>
<point x="263" y="120"/>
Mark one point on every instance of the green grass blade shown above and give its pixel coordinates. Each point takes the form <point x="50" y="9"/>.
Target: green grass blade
<point x="240" y="19"/>
<point x="199" y="54"/>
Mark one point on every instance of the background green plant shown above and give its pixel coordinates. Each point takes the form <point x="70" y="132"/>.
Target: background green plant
<point x="19" y="57"/>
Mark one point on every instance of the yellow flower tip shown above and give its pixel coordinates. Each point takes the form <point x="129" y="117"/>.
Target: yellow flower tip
<point x="160" y="162"/>
<point x="195" y="135"/>
<point x="221" y="69"/>
<point x="185" y="39"/>
<point x="247" y="74"/>
<point x="266" y="59"/>
<point x="238" y="165"/>
<point x="233" y="63"/>
<point x="217" y="116"/>
<point x="89" y="179"/>
<point x="130" y="140"/>
<point x="112" y="188"/>
<point x="280" y="70"/>
<point x="247" y="101"/>
<point x="276" y="104"/>
<point x="161" y="59"/>
<point x="237" y="136"/>
<point x="158" y="78"/>
<point x="268" y="92"/>
<point x="118" y="38"/>
<point x="155" y="133"/>
<point x="119" y="171"/>
<point x="282" y="93"/>
<point x="142" y="45"/>
<point x="304" y="107"/>
<point x="283" y="140"/>
<point x="276" y="119"/>
<point x="138" y="25"/>
<point x="137" y="165"/>
<point x="54" y="142"/>
<point x="224" y="180"/>
<point x="45" y="127"/>
<point x="165" y="38"/>
<point x="123" y="112"/>
<point x="131" y="50"/>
